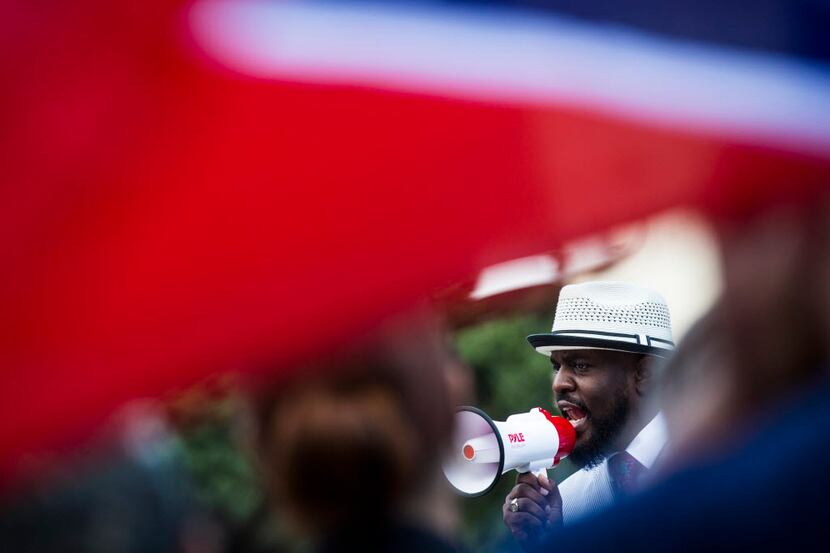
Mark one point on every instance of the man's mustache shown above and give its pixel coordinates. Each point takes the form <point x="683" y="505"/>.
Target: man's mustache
<point x="575" y="401"/>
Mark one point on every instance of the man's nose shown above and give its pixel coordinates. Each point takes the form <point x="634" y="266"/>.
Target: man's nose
<point x="563" y="382"/>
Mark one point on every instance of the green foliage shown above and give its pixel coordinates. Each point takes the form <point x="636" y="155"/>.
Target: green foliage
<point x="510" y="378"/>
<point x="224" y="476"/>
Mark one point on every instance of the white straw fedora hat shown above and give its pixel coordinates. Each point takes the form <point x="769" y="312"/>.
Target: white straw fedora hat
<point x="608" y="315"/>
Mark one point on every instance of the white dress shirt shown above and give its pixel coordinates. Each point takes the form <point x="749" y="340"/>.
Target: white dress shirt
<point x="589" y="490"/>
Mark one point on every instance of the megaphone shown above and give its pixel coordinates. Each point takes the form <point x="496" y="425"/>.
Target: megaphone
<point x="483" y="449"/>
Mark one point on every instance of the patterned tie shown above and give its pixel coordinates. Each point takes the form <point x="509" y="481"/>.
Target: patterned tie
<point x="626" y="473"/>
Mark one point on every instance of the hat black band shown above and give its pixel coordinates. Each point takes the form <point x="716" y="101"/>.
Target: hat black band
<point x="603" y="340"/>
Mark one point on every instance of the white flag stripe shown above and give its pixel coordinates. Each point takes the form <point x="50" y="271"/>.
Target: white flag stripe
<point x="506" y="57"/>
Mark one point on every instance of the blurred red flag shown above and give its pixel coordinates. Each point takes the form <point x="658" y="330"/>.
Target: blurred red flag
<point x="164" y="217"/>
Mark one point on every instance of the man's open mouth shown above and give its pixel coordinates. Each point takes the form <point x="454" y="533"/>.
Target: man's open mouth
<point x="576" y="415"/>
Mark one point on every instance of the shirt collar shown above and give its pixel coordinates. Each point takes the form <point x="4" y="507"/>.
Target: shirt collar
<point x="646" y="446"/>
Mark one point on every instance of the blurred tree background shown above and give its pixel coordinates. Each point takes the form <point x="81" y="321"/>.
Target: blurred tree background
<point x="510" y="377"/>
<point x="211" y="422"/>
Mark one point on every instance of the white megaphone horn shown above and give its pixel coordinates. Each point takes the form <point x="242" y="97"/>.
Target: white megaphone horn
<point x="483" y="449"/>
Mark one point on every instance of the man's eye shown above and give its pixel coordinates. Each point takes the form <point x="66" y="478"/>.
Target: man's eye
<point x="579" y="366"/>
<point x="556" y="366"/>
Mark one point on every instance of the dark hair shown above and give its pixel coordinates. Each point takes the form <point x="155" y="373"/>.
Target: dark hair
<point x="352" y="438"/>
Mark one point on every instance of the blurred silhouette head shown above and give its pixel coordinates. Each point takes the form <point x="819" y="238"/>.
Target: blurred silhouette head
<point x="696" y="388"/>
<point x="766" y="339"/>
<point x="350" y="439"/>
<point x="776" y="302"/>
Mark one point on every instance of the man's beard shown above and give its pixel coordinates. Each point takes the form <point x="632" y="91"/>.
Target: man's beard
<point x="604" y="433"/>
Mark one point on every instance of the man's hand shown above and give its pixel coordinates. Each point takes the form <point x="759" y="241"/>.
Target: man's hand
<point x="540" y="510"/>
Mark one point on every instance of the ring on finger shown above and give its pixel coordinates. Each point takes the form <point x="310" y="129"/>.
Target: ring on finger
<point x="514" y="505"/>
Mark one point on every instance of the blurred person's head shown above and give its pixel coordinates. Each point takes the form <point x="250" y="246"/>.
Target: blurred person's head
<point x="696" y="382"/>
<point x="776" y="302"/>
<point x="354" y="438"/>
<point x="767" y="336"/>
<point x="602" y="346"/>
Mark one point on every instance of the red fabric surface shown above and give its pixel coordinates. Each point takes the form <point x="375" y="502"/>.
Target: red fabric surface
<point x="163" y="219"/>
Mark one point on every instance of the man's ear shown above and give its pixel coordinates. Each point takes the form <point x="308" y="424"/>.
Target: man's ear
<point x="643" y="374"/>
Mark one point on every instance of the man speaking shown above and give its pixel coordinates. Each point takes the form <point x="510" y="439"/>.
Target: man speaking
<point x="602" y="346"/>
